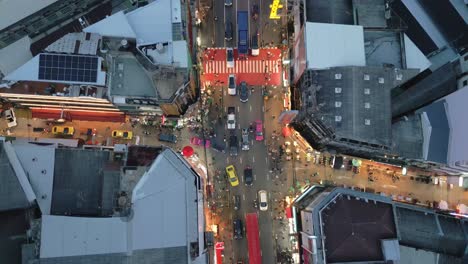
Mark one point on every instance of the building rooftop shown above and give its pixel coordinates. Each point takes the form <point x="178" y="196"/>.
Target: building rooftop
<point x="324" y="11"/>
<point x="15" y="190"/>
<point x="354" y="228"/>
<point x="333" y="45"/>
<point x="84" y="182"/>
<point x="163" y="200"/>
<point x="14" y="11"/>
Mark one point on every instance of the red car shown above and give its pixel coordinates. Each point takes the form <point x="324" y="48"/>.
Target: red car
<point x="258" y="130"/>
<point x="199" y="142"/>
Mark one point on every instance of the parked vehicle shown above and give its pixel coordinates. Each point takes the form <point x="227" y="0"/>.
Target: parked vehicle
<point x="231" y="118"/>
<point x="245" y="139"/>
<point x="168" y="138"/>
<point x="228" y="2"/>
<point x="233" y="145"/>
<point x="248" y="178"/>
<point x="232" y="175"/>
<point x="122" y="134"/>
<point x="200" y="142"/>
<point x="259" y="130"/>
<point x="219" y="148"/>
<point x="228" y="32"/>
<point x="64" y="130"/>
<point x="10" y="117"/>
<point x="263" y="199"/>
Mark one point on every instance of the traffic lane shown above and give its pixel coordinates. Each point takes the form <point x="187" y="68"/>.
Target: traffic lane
<point x="266" y="236"/>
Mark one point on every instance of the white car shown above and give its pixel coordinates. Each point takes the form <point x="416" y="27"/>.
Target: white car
<point x="229" y="58"/>
<point x="232" y="89"/>
<point x="231" y="118"/>
<point x="10" y="117"/>
<point x="263" y="200"/>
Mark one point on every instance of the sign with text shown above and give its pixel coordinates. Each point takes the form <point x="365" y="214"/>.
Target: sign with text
<point x="274" y="9"/>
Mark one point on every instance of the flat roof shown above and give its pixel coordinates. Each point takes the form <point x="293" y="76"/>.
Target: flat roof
<point x="15" y="55"/>
<point x="13" y="10"/>
<point x="38" y="162"/>
<point x="79" y="181"/>
<point x="354" y="227"/>
<point x="324" y="11"/>
<point x="333" y="45"/>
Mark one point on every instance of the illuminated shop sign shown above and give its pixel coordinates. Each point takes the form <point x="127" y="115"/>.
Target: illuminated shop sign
<point x="274" y="9"/>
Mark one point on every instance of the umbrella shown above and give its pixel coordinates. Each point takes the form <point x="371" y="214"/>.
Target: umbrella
<point x="357" y="162"/>
<point x="286" y="131"/>
<point x="443" y="205"/>
<point x="187" y="151"/>
<point x="462" y="209"/>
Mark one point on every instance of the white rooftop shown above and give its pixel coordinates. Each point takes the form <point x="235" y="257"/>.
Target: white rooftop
<point x="13" y="11"/>
<point x="415" y="59"/>
<point x="334" y="45"/>
<point x="141" y="25"/>
<point x="164" y="205"/>
<point x="76" y="41"/>
<point x="15" y="55"/>
<point x="113" y="26"/>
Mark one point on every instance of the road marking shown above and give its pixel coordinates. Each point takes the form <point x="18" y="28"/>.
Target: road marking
<point x="238" y="108"/>
<point x="243" y="196"/>
<point x="266" y="160"/>
<point x="253" y="159"/>
<point x="268" y="176"/>
<point x="271" y="213"/>
<point x="238" y="126"/>
<point x="255" y="176"/>
<point x="264" y="142"/>
<point x="250" y="106"/>
<point x="240" y="160"/>
<point x="263" y="109"/>
<point x="227" y="159"/>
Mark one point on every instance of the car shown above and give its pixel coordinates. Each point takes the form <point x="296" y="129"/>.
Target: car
<point x="231" y="118"/>
<point x="233" y="145"/>
<point x="228" y="2"/>
<point x="232" y="89"/>
<point x="248" y="178"/>
<point x="258" y="130"/>
<point x="168" y="138"/>
<point x="263" y="200"/>
<point x="245" y="139"/>
<point x="229" y="58"/>
<point x="238" y="229"/>
<point x="228" y="32"/>
<point x="122" y="134"/>
<point x="10" y="117"/>
<point x="244" y="92"/>
<point x="236" y="202"/>
<point x="63" y="130"/>
<point x="232" y="175"/>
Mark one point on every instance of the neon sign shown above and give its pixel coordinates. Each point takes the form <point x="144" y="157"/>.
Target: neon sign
<point x="274" y="9"/>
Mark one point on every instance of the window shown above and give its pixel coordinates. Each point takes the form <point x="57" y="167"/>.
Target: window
<point x="337" y="118"/>
<point x="367" y="122"/>
<point x="465" y="83"/>
<point x="399" y="77"/>
<point x="337" y="90"/>
<point x="367" y="105"/>
<point x="366" y="77"/>
<point x="337" y="104"/>
<point x="465" y="58"/>
<point x="381" y="80"/>
<point x="338" y="76"/>
<point x="366" y="91"/>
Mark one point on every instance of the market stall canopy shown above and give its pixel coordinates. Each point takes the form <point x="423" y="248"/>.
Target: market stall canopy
<point x="443" y="205"/>
<point x="187" y="151"/>
<point x="357" y="162"/>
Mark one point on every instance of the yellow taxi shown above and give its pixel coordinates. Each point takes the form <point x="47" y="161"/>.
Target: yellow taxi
<point x="231" y="173"/>
<point x="63" y="130"/>
<point x="122" y="134"/>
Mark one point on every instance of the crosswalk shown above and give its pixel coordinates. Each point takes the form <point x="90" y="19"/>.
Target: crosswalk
<point x="243" y="66"/>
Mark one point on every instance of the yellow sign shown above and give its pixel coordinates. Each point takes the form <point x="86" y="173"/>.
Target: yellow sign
<point x="274" y="9"/>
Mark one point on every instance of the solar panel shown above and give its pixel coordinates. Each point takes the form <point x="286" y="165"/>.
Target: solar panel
<point x="74" y="68"/>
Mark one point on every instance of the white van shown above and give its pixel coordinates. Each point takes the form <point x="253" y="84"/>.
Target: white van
<point x="263" y="200"/>
<point x="232" y="89"/>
